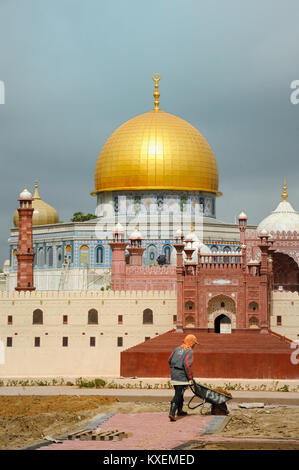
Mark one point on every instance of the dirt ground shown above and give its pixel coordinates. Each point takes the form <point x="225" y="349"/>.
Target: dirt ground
<point x="26" y="420"/>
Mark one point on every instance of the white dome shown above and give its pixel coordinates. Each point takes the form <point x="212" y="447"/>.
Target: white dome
<point x="136" y="235"/>
<point x="178" y="233"/>
<point x="191" y="237"/>
<point x="283" y="219"/>
<point x="118" y="228"/>
<point x="204" y="249"/>
<point x="242" y="215"/>
<point x="25" y="194"/>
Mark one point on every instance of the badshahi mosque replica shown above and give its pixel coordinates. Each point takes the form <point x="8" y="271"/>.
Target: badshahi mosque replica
<point x="92" y="298"/>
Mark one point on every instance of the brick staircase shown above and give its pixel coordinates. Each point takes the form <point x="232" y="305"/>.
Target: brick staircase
<point x="243" y="354"/>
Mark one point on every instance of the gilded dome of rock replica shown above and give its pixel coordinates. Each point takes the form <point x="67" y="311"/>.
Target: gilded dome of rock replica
<point x="43" y="214"/>
<point x="156" y="151"/>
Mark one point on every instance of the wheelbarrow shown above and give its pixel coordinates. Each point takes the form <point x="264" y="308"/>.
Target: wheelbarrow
<point x="216" y="399"/>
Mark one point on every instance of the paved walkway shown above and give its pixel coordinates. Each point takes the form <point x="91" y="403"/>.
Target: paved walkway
<point x="150" y="431"/>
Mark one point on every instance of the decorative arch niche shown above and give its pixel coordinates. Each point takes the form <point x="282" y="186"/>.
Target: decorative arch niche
<point x="221" y="305"/>
<point x="285" y="272"/>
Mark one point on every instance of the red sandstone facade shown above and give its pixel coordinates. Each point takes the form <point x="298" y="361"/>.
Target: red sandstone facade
<point x="134" y="276"/>
<point x="216" y="291"/>
<point x="25" y="255"/>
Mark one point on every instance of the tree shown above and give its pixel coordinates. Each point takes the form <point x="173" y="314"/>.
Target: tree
<point x="80" y="217"/>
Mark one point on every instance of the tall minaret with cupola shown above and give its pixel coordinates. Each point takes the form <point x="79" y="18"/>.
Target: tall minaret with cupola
<point x="25" y="254"/>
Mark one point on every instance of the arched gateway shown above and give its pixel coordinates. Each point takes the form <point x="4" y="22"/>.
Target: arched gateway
<point x="222" y="314"/>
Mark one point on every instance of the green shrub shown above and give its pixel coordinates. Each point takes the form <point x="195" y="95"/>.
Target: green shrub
<point x="99" y="383"/>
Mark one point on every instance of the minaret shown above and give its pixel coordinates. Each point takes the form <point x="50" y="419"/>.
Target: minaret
<point x="242" y="226"/>
<point x="25" y="255"/>
<point x="135" y="249"/>
<point x="179" y="246"/>
<point x="118" y="264"/>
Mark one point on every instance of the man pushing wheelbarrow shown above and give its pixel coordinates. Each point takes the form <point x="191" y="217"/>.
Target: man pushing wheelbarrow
<point x="180" y="362"/>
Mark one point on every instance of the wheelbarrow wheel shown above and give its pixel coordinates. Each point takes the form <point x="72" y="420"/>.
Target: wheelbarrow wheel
<point x="219" y="409"/>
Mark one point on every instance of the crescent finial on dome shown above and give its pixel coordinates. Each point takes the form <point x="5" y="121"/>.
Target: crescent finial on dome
<point x="36" y="193"/>
<point x="156" y="95"/>
<point x="284" y="194"/>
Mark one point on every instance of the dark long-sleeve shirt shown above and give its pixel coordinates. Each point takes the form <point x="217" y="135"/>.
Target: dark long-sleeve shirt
<point x="180" y="362"/>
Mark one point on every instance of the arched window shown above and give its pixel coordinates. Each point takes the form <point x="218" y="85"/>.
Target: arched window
<point x="167" y="252"/>
<point x="14" y="258"/>
<point x="253" y="307"/>
<point x="99" y="255"/>
<point x="37" y="318"/>
<point x="189" y="322"/>
<point x="68" y="253"/>
<point x="59" y="257"/>
<point x="148" y="316"/>
<point x="152" y="255"/>
<point x="214" y="249"/>
<point x="253" y="322"/>
<point x="189" y="305"/>
<point x="40" y="255"/>
<point x="50" y="256"/>
<point x="93" y="317"/>
<point x="84" y="255"/>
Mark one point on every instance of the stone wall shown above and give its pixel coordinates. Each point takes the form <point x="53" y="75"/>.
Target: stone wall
<point x="285" y="305"/>
<point x="78" y="358"/>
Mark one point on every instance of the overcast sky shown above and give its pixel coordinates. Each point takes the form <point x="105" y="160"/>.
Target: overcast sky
<point x="74" y="70"/>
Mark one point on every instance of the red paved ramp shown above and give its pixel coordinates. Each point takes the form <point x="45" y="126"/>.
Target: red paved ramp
<point x="150" y="431"/>
<point x="243" y="354"/>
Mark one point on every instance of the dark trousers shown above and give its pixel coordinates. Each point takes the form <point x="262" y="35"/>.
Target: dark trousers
<point x="178" y="398"/>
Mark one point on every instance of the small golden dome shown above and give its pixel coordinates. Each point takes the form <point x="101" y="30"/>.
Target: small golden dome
<point x="43" y="213"/>
<point x="156" y="150"/>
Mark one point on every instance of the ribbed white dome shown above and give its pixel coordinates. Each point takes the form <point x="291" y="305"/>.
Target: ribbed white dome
<point x="25" y="194"/>
<point x="283" y="219"/>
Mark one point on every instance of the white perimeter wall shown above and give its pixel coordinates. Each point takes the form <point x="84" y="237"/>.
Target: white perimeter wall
<point x="78" y="358"/>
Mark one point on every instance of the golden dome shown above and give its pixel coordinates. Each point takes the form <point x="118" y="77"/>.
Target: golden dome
<point x="156" y="150"/>
<point x="43" y="213"/>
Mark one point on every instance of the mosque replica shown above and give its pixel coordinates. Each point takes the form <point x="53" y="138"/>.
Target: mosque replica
<point x="115" y="294"/>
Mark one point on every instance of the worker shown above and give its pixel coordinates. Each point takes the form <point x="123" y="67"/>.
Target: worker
<point x="180" y="362"/>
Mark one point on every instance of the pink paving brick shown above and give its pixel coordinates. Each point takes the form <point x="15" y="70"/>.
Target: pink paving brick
<point x="150" y="431"/>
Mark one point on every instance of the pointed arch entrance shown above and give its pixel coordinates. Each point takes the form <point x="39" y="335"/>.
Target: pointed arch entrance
<point x="222" y="314"/>
<point x="222" y="324"/>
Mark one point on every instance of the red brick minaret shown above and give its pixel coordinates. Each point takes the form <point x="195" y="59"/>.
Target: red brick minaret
<point x="242" y="227"/>
<point x="25" y="255"/>
<point x="118" y="265"/>
<point x="179" y="246"/>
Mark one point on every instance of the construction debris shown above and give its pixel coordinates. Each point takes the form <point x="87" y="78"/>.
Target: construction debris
<point x="99" y="435"/>
<point x="52" y="439"/>
<point x="251" y="405"/>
